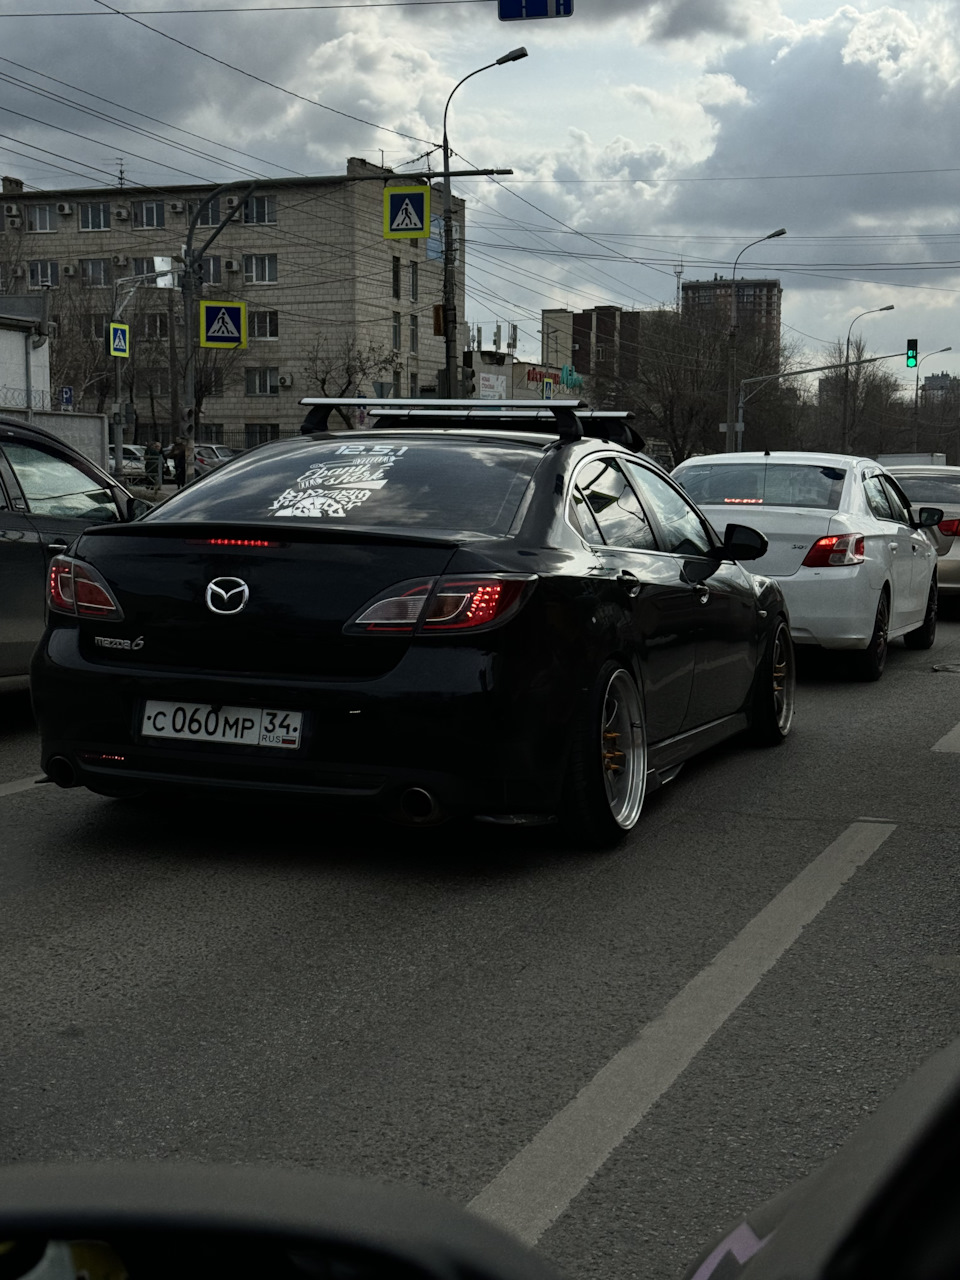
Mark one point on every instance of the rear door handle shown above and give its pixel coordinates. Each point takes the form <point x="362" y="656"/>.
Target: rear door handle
<point x="893" y="547"/>
<point x="56" y="547"/>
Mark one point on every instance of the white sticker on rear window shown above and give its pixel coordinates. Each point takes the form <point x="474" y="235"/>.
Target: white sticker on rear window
<point x="339" y="482"/>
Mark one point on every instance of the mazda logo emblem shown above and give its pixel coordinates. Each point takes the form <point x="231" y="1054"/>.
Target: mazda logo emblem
<point x="226" y="595"/>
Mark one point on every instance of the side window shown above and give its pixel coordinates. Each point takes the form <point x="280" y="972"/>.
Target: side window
<point x="583" y="519"/>
<point x="614" y="505"/>
<point x="897" y="506"/>
<point x="683" y="529"/>
<point x="55" y="487"/>
<point x="877" y="499"/>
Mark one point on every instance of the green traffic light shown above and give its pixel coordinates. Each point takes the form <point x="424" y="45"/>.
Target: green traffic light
<point x="911" y="353"/>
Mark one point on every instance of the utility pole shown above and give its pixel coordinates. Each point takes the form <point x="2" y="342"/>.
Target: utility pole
<point x="191" y="287"/>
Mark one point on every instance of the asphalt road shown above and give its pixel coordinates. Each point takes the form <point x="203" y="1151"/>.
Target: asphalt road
<point x="555" y="1037"/>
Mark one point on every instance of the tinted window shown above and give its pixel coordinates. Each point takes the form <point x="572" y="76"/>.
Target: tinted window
<point x="412" y="484"/>
<point x="877" y="499"/>
<point x="930" y="490"/>
<point x="605" y="490"/>
<point x="683" y="530"/>
<point x="54" y="487"/>
<point x="776" y="484"/>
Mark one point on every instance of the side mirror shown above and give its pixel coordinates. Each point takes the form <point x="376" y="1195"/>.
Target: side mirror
<point x="137" y="507"/>
<point x="927" y="517"/>
<point x="740" y="542"/>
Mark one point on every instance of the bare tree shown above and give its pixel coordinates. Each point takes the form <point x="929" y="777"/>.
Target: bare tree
<point x="342" y="366"/>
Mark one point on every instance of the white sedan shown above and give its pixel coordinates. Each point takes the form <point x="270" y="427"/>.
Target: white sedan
<point x="851" y="556"/>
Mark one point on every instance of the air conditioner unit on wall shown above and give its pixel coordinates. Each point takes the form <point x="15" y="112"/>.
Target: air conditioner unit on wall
<point x="65" y="209"/>
<point x="232" y="201"/>
<point x="231" y="264"/>
<point x="121" y="214"/>
<point x="119" y="260"/>
<point x="11" y="210"/>
<point x="14" y="224"/>
<point x="69" y="271"/>
<point x="177" y="206"/>
<point x="286" y="380"/>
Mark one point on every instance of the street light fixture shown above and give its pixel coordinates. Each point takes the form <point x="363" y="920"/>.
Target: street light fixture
<point x="732" y="341"/>
<point x="916" y="391"/>
<point x="449" y="276"/>
<point x="844" y="436"/>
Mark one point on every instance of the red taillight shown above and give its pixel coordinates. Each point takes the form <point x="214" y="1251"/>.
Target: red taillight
<point x="231" y="542"/>
<point x="838" y="549"/>
<point x="77" y="589"/>
<point x="448" y="604"/>
<point x="950" y="527"/>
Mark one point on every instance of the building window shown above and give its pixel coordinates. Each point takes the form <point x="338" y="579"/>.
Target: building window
<point x="209" y="217"/>
<point x="156" y="326"/>
<point x="94" y="325"/>
<point x="262" y="382"/>
<point x="260" y="209"/>
<point x="40" y="217"/>
<point x="397" y="391"/>
<point x="213" y="432"/>
<point x="414" y="334"/>
<point x="414" y="385"/>
<point x="95" y="216"/>
<point x="396" y="331"/>
<point x="211" y="269"/>
<point x="260" y="432"/>
<point x="148" y="213"/>
<point x="414" y="281"/>
<point x="94" y="271"/>
<point x="216" y="384"/>
<point x="396" y="278"/>
<point x="259" y="268"/>
<point x="44" y="274"/>
<point x="264" y="324"/>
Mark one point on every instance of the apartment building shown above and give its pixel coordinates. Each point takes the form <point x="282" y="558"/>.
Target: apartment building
<point x="331" y="302"/>
<point x="758" y="303"/>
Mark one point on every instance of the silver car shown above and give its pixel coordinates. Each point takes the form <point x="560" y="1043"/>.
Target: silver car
<point x="938" y="487"/>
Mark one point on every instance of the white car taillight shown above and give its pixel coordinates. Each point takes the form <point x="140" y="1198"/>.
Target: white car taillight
<point x="838" y="549"/>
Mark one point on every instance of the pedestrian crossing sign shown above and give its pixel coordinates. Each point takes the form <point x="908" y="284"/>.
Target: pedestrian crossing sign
<point x="223" y="324"/>
<point x="406" y="213"/>
<point x="118" y="340"/>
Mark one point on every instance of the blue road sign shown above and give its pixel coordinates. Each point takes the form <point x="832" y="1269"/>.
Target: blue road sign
<point x="118" y="339"/>
<point x="516" y="10"/>
<point x="406" y="213"/>
<point x="66" y="397"/>
<point x="223" y="324"/>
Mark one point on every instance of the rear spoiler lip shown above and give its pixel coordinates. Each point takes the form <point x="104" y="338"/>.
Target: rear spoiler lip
<point x="278" y="530"/>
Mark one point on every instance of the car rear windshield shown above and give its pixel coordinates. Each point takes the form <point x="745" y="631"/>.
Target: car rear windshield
<point x="770" y="484"/>
<point x="933" y="488"/>
<point x="411" y="484"/>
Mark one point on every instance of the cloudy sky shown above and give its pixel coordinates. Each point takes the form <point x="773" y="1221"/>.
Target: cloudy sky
<point x="643" y="135"/>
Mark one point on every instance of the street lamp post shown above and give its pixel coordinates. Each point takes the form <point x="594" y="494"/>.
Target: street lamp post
<point x="916" y="392"/>
<point x="844" y="433"/>
<point x="732" y="342"/>
<point x="449" y="274"/>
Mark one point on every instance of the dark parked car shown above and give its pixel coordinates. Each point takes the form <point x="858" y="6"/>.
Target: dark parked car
<point x="502" y="618"/>
<point x="49" y="492"/>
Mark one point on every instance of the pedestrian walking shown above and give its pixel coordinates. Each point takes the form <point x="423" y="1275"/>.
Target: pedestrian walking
<point x="179" y="455"/>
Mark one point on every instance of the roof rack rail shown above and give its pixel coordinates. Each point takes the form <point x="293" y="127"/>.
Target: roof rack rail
<point x="563" y="412"/>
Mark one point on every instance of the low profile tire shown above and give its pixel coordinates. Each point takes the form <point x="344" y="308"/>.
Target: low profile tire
<point x="868" y="664"/>
<point x="926" y="633"/>
<point x="607" y="778"/>
<point x="774" y="692"/>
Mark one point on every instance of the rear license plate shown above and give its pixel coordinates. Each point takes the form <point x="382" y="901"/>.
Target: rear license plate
<point x="242" y="726"/>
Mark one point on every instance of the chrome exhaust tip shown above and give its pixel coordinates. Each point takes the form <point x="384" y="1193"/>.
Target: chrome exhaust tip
<point x="419" y="805"/>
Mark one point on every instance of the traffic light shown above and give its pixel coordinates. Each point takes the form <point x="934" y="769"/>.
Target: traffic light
<point x="911" y="353"/>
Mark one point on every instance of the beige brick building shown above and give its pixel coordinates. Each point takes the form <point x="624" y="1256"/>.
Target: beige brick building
<point x="329" y="298"/>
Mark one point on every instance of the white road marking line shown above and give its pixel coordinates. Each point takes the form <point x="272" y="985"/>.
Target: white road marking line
<point x="9" y="788"/>
<point x="539" y="1183"/>
<point x="949" y="742"/>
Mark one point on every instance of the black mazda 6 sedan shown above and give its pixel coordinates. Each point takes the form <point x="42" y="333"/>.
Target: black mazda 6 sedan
<point x="493" y="613"/>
